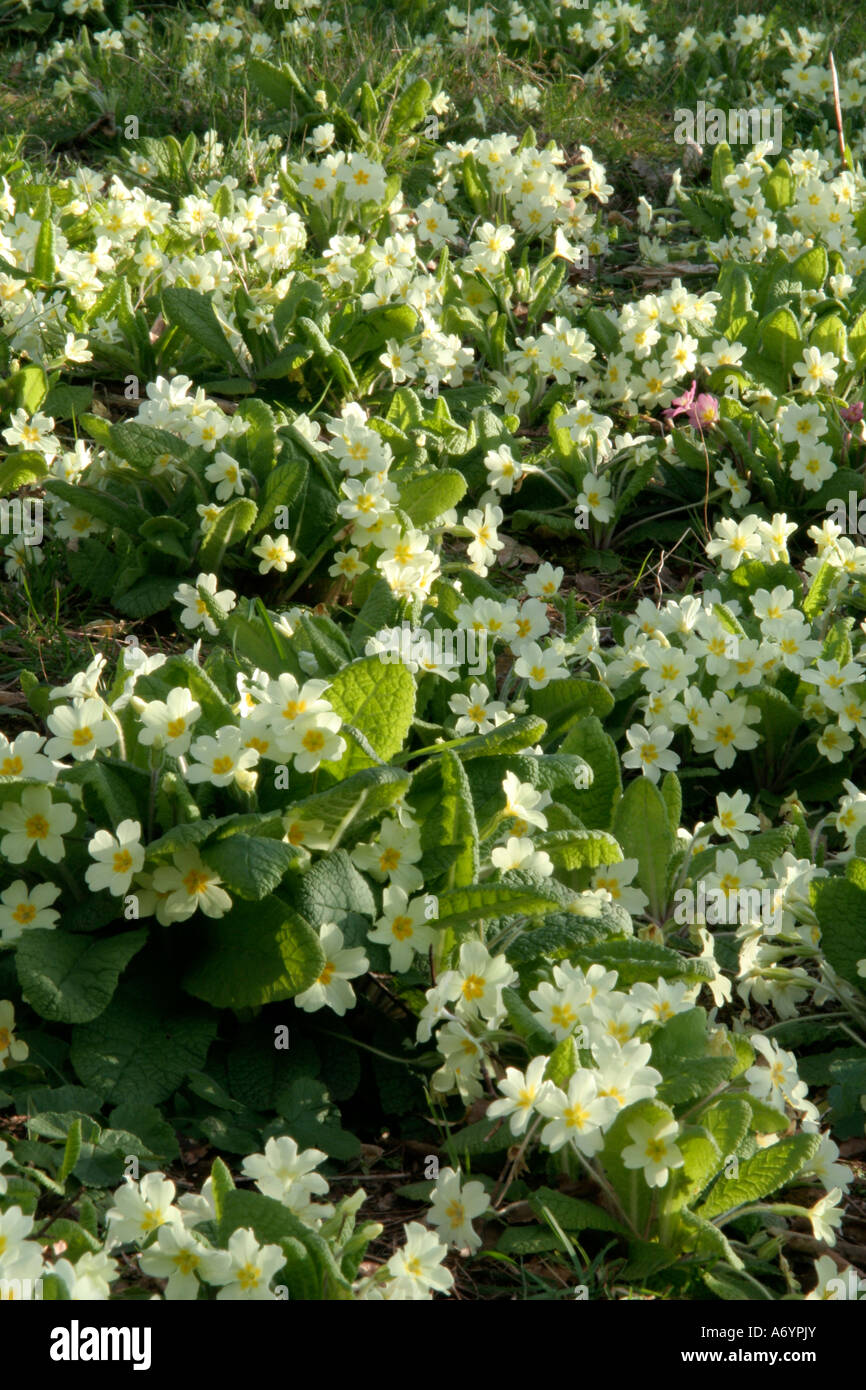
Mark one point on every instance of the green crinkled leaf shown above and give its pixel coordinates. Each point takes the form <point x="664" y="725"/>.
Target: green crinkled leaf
<point x="766" y="1119"/>
<point x="141" y="446"/>
<point x="145" y="597"/>
<point x="706" y="1239"/>
<point x="461" y="907"/>
<point x="572" y="935"/>
<point x="233" y="522"/>
<point x="643" y="829"/>
<point x="194" y="313"/>
<point x="254" y="955"/>
<point x="779" y="718"/>
<point x="682" y="1038"/>
<point x="308" y="1114"/>
<point x="810" y="268"/>
<point x="71" y="979"/>
<point x="147" y="1122"/>
<point x="562" y="703"/>
<point x="572" y="1213"/>
<point x="249" y="865"/>
<point x="579" y="849"/>
<point x="562" y="1064"/>
<point x="840" y="907"/>
<point x="111" y="790"/>
<point x="449" y="834"/>
<point x="697" y="1077"/>
<point x="102" y="505"/>
<point x="780" y="337"/>
<point x="141" y="1046"/>
<point x="596" y="803"/>
<point x="356" y="800"/>
<point x="510" y="737"/>
<point x="672" y="796"/>
<point x="20" y="469"/>
<point x="427" y="496"/>
<point x="378" y="699"/>
<point x="481" y="1137"/>
<point x="764" y="1173"/>
<point x="282" y="487"/>
<point x="635" y="960"/>
<point x="334" y="891"/>
<point x="728" y="1122"/>
<point x="701" y="1161"/>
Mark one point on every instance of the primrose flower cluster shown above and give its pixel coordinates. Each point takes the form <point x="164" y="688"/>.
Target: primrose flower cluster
<point x="175" y="1240"/>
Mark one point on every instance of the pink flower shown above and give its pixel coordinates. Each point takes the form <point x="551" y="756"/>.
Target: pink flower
<point x="700" y="411"/>
<point x="705" y="410"/>
<point x="681" y="405"/>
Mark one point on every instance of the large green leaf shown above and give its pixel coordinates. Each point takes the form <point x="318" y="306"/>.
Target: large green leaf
<point x="194" y="313"/>
<point x="764" y="1173"/>
<point x="255" y="955"/>
<point x="71" y="979"/>
<point x="573" y="1213"/>
<point x="378" y="699"/>
<point x="596" y="803"/>
<point x="233" y="522"/>
<point x="780" y="335"/>
<point x="449" y="834"/>
<point x="643" y="829"/>
<point x="426" y="497"/>
<point x="635" y="960"/>
<point x="562" y="703"/>
<point x="579" y="849"/>
<point x="840" y="907"/>
<point x="249" y="865"/>
<point x="141" y="1046"/>
<point x="356" y="800"/>
<point x="460" y="907"/>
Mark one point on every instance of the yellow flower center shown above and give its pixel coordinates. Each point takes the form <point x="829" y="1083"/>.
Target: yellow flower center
<point x="249" y="1277"/>
<point x="195" y="882"/>
<point x="456" y="1213"/>
<point x="36" y="828"/>
<point x="122" y="862"/>
<point x="187" y="1261"/>
<point x="472" y="987"/>
<point x="575" y="1116"/>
